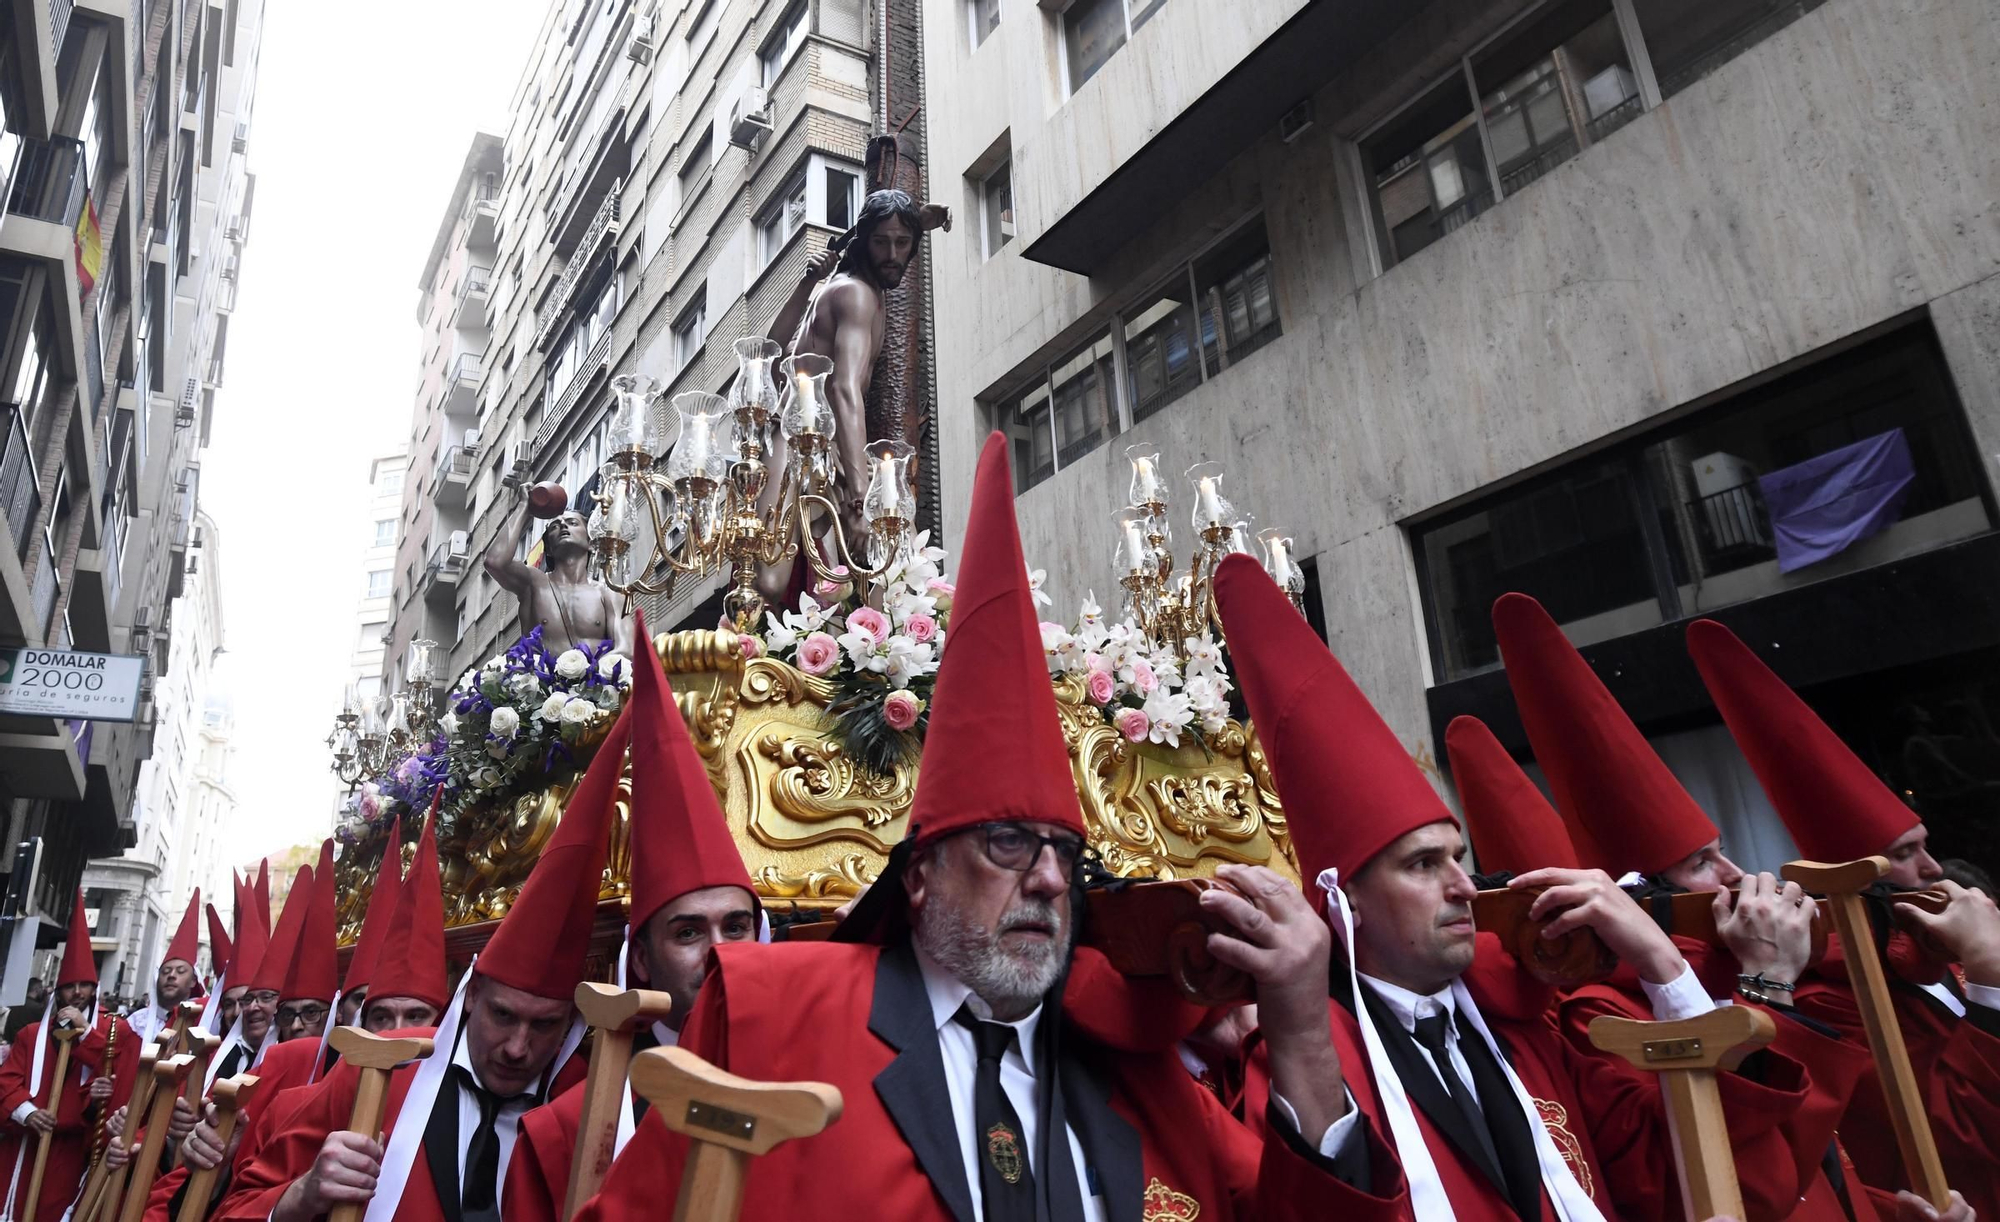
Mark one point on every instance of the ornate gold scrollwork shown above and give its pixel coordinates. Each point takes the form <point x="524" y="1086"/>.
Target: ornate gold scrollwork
<point x="816" y="782"/>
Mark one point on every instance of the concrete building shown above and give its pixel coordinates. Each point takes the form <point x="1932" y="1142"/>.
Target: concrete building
<point x="126" y="205"/>
<point x="667" y="170"/>
<point x="1484" y="295"/>
<point x="184" y="807"/>
<point x="387" y="473"/>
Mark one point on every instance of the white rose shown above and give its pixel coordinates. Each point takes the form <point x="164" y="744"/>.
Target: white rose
<point x="525" y="684"/>
<point x="506" y="722"/>
<point x="613" y="664"/>
<point x="486" y="776"/>
<point x="469" y="682"/>
<point x="578" y="711"/>
<point x="494" y="665"/>
<point x="572" y="664"/>
<point x="449" y="724"/>
<point x="552" y="708"/>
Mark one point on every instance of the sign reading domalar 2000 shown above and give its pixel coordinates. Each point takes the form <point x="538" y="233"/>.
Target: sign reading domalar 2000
<point x="65" y="683"/>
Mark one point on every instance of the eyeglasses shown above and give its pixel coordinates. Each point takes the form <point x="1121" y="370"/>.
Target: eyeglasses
<point x="265" y="998"/>
<point x="1013" y="847"/>
<point x="301" y="1014"/>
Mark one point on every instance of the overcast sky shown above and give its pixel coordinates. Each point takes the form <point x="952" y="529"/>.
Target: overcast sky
<point x="358" y="133"/>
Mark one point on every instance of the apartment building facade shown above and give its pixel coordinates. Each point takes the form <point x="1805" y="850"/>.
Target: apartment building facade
<point x="1485" y="295"/>
<point x="376" y="580"/>
<point x="126" y="204"/>
<point x="668" y="169"/>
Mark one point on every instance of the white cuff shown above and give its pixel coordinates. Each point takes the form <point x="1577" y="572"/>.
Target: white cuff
<point x="1681" y="997"/>
<point x="27" y="1109"/>
<point x="1336" y="1133"/>
<point x="1983" y="995"/>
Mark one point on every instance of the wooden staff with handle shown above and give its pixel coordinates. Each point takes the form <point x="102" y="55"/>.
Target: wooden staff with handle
<point x="91" y="1202"/>
<point x="63" y="1038"/>
<point x="375" y="1057"/>
<point x="616" y="1016"/>
<point x="171" y="1041"/>
<point x="230" y="1096"/>
<point x="167" y="1078"/>
<point x="1842" y="884"/>
<point x="729" y="1118"/>
<point x="1686" y="1055"/>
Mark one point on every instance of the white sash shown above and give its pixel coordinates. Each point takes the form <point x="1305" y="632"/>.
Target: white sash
<point x="1945" y="998"/>
<point x="213" y="1005"/>
<point x="407" y="1139"/>
<point x="1428" y="1199"/>
<point x="34" y="1088"/>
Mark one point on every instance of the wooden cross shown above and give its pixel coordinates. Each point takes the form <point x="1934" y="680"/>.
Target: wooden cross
<point x="95" y="1187"/>
<point x="167" y="1078"/>
<point x="63" y="1037"/>
<point x="729" y="1118"/>
<point x="375" y="1057"/>
<point x="231" y="1096"/>
<point x="200" y="1045"/>
<point x="616" y="1016"/>
<point x="1686" y="1055"/>
<point x="1842" y="884"/>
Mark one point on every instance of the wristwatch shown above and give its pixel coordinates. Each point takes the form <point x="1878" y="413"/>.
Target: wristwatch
<point x="1758" y="988"/>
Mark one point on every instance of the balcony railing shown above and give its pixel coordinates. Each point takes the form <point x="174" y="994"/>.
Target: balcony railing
<point x="48" y="181"/>
<point x="59" y="11"/>
<point x="20" y="487"/>
<point x="468" y="368"/>
<point x="47" y="587"/>
<point x="603" y="226"/>
<point x="556" y="412"/>
<point x="112" y="548"/>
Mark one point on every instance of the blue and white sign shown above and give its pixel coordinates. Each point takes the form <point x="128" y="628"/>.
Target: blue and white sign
<point x="66" y="683"/>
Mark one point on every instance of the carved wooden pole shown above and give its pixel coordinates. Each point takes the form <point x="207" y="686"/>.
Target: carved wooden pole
<point x="231" y="1096"/>
<point x="167" y="1078"/>
<point x="171" y="1042"/>
<point x="1686" y="1055"/>
<point x="1842" y="884"/>
<point x="729" y="1118"/>
<point x="616" y="1017"/>
<point x="91" y="1202"/>
<point x="63" y="1038"/>
<point x="375" y="1057"/>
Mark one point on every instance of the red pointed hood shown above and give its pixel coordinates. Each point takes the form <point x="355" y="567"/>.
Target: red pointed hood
<point x="263" y="892"/>
<point x="1513" y="827"/>
<point x="375" y="927"/>
<point x="315" y="970"/>
<point x="1321" y="735"/>
<point x="220" y="950"/>
<point x="680" y="836"/>
<point x="276" y="961"/>
<point x="187" y="939"/>
<point x="412" y="963"/>
<point x="78" y="964"/>
<point x="994" y="748"/>
<point x="543" y="941"/>
<point x="1833" y="804"/>
<point x="1624" y="808"/>
<point x="253" y="936"/>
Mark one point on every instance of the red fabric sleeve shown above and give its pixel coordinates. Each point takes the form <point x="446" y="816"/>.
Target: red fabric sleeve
<point x="529" y="1194"/>
<point x="1965" y="1115"/>
<point x="14" y="1072"/>
<point x="289" y="1150"/>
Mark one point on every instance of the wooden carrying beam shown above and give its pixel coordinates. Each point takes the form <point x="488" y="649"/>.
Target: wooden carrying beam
<point x="230" y="1096"/>
<point x="729" y="1119"/>
<point x="1686" y="1055"/>
<point x="375" y="1056"/>
<point x="97" y="1185"/>
<point x="1842" y="884"/>
<point x="615" y="1016"/>
<point x="63" y="1038"/>
<point x="168" y="1075"/>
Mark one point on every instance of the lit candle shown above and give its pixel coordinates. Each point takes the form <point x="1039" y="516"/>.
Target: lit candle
<point x="615" y="509"/>
<point x="1135" y="547"/>
<point x="1211" y="506"/>
<point x="1148" y="484"/>
<point x="1281" y="562"/>
<point x="882" y="488"/>
<point x="802" y="384"/>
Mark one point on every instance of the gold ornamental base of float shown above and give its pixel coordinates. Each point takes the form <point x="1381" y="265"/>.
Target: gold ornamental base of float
<point x="814" y="826"/>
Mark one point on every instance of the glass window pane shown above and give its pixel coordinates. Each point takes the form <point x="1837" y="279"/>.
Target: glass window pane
<point x="1159" y="349"/>
<point x="999" y="209"/>
<point x="841" y="189"/>
<point x="985" y="19"/>
<point x="1688" y="39"/>
<point x="1085" y="412"/>
<point x="1025" y="420"/>
<point x="1092" y="30"/>
<point x="1239" y="311"/>
<point x="1428" y="169"/>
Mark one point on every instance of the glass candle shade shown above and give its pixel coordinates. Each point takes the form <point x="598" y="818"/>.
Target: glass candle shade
<point x="423" y="661"/>
<point x="806" y="411"/>
<point x="1278" y="561"/>
<point x="1209" y="507"/>
<point x="1135" y="553"/>
<point x="889" y="494"/>
<point x="706" y="444"/>
<point x="753" y="396"/>
<point x="1147" y="486"/>
<point x="635" y="417"/>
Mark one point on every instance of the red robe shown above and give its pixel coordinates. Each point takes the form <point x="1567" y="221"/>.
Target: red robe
<point x="1610" y="1126"/>
<point x="1835" y="1065"/>
<point x="287" y="1149"/>
<point x="280" y="1080"/>
<point x="857" y="1017"/>
<point x="69" y="1148"/>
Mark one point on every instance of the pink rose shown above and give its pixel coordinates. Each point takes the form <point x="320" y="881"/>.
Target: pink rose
<point x="1143" y="678"/>
<point x="1100" y="686"/>
<point x="752" y="647"/>
<point x="834" y="590"/>
<point x="901" y="709"/>
<point x="870" y="621"/>
<point x="920" y="628"/>
<point x="1133" y="724"/>
<point x="938" y="587"/>
<point x="818" y="654"/>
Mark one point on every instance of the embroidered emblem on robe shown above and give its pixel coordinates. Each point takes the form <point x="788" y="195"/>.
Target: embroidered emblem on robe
<point x="1555" y="1118"/>
<point x="1003" y="1150"/>
<point x="1163" y="1204"/>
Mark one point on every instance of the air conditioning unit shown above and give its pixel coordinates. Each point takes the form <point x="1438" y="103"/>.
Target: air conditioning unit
<point x="470" y="441"/>
<point x="461" y="543"/>
<point x="750" y="119"/>
<point x="1294" y="122"/>
<point x="640" y="49"/>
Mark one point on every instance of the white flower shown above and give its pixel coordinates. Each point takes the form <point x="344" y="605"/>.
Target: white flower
<point x="1204" y="656"/>
<point x="1090" y="628"/>
<point x="469" y="682"/>
<point x="572" y="665"/>
<point x="579" y="710"/>
<point x="486" y="776"/>
<point x="505" y="722"/>
<point x="810" y="617"/>
<point x="449" y="724"/>
<point x="494" y="665"/>
<point x="524" y="685"/>
<point x="907" y="661"/>
<point x="779" y="635"/>
<point x="1059" y="645"/>
<point x="552" y="708"/>
<point x="901" y="602"/>
<point x="612" y="665"/>
<point x="1035" y="579"/>
<point x="1169" y="713"/>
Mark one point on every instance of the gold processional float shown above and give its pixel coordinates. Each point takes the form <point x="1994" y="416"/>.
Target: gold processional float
<point x="814" y="822"/>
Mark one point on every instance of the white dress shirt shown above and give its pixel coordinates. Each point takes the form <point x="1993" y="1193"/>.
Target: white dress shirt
<point x="1018" y="1075"/>
<point x="1408" y="1007"/>
<point x="506" y="1124"/>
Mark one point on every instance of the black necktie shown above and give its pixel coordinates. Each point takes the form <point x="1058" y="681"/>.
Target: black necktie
<point x="1006" y="1183"/>
<point x="479" y="1197"/>
<point x="1431" y="1032"/>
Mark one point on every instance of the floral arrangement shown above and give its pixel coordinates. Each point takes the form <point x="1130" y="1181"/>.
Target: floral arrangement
<point x="1145" y="691"/>
<point x="882" y="659"/>
<point x="512" y="725"/>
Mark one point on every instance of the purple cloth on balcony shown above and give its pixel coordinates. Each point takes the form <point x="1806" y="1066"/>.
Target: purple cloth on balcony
<point x="1826" y="504"/>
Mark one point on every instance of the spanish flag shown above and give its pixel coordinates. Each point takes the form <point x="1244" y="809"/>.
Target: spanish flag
<point x="89" y="246"/>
